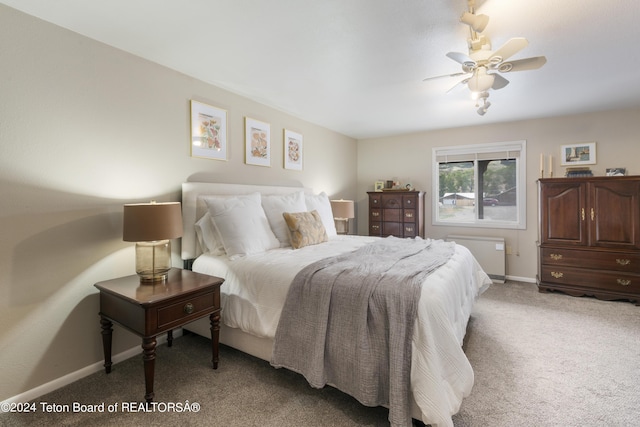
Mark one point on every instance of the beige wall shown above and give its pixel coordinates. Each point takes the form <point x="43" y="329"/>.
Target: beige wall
<point x="408" y="157"/>
<point x="85" y="128"/>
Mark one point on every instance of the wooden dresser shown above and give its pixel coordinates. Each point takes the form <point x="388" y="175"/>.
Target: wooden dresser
<point x="590" y="237"/>
<point x="396" y="213"/>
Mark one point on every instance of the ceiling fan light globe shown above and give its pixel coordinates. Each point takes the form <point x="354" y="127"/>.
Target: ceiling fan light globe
<point x="481" y="81"/>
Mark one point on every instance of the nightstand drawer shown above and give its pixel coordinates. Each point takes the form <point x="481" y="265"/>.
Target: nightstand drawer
<point x="180" y="312"/>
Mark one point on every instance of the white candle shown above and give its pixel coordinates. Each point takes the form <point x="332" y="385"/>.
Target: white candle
<point x="550" y="166"/>
<point x="541" y="165"/>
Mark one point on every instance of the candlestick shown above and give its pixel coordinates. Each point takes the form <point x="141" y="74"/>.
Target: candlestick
<point x="550" y="166"/>
<point x="541" y="165"/>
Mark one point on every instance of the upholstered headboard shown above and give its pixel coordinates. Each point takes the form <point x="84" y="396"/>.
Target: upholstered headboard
<point x="192" y="210"/>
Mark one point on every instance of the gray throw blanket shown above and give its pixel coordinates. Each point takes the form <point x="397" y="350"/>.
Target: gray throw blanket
<point x="348" y="321"/>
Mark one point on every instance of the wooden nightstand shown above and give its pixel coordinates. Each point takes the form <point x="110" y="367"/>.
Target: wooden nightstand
<point x="150" y="309"/>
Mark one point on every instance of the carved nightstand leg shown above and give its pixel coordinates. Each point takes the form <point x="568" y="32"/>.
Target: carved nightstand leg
<point x="149" y="357"/>
<point x="107" y="333"/>
<point x="215" y="337"/>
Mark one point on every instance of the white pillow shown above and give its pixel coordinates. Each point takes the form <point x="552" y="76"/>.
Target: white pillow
<point x="320" y="202"/>
<point x="275" y="205"/>
<point x="242" y="224"/>
<point x="208" y="236"/>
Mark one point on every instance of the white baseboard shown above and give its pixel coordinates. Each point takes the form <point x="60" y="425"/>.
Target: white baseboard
<point x="521" y="279"/>
<point x="53" y="385"/>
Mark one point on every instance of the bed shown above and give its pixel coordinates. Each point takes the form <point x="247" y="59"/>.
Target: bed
<point x="258" y="279"/>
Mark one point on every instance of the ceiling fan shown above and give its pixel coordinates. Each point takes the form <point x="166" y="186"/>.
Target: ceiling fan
<point x="481" y="68"/>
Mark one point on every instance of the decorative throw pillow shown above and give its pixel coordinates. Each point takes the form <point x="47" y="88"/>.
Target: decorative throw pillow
<point x="320" y="202"/>
<point x="242" y="224"/>
<point x="305" y="228"/>
<point x="208" y="236"/>
<point x="275" y="205"/>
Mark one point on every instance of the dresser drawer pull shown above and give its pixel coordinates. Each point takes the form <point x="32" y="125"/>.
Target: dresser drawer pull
<point x="188" y="308"/>
<point x="375" y="213"/>
<point x="556" y="257"/>
<point x="409" y="229"/>
<point x="375" y="227"/>
<point x="624" y="282"/>
<point x="592" y="214"/>
<point x="374" y="201"/>
<point x="583" y="214"/>
<point x="557" y="275"/>
<point x="408" y="202"/>
<point x="408" y="214"/>
<point x="623" y="261"/>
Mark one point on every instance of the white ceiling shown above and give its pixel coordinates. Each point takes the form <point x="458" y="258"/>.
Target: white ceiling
<point x="356" y="66"/>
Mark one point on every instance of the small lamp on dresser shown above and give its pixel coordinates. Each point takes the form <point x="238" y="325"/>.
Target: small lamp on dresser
<point x="151" y="226"/>
<point x="343" y="211"/>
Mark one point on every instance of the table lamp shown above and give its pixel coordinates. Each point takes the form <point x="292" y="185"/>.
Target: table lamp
<point x="151" y="226"/>
<point x="343" y="210"/>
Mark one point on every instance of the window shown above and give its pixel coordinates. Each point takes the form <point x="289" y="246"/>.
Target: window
<point x="480" y="185"/>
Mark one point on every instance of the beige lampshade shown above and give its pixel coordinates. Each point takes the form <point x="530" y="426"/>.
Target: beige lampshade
<point x="146" y="222"/>
<point x="151" y="226"/>
<point x="342" y="209"/>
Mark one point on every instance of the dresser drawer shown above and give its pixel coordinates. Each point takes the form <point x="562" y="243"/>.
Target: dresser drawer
<point x="375" y="229"/>
<point x="410" y="230"/>
<point x="409" y="215"/>
<point x="597" y="280"/>
<point x="180" y="311"/>
<point x="391" y="201"/>
<point x="601" y="260"/>
<point x="392" y="215"/>
<point x="410" y="202"/>
<point x="391" y="229"/>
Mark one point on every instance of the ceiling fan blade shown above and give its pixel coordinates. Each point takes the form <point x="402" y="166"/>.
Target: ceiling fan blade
<point x="460" y="83"/>
<point x="499" y="82"/>
<point x="510" y="48"/>
<point x="445" y="75"/>
<point x="463" y="59"/>
<point x="522" y="64"/>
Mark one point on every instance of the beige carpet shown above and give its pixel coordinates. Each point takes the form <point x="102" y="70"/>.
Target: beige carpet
<point x="539" y="360"/>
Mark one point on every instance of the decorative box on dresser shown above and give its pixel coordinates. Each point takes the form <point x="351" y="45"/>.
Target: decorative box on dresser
<point x="396" y="213"/>
<point x="590" y="237"/>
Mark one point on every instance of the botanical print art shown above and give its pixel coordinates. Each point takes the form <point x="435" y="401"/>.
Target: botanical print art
<point x="258" y="146"/>
<point x="208" y="131"/>
<point x="292" y="150"/>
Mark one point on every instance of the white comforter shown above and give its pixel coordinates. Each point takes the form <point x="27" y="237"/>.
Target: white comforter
<point x="256" y="286"/>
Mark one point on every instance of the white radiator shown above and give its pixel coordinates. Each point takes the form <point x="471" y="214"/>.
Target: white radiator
<point x="489" y="251"/>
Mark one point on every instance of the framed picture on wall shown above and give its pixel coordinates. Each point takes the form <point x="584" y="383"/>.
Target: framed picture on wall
<point x="292" y="150"/>
<point x="257" y="137"/>
<point x="583" y="153"/>
<point x="208" y="131"/>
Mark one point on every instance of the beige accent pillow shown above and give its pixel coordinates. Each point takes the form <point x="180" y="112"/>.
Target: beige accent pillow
<point x="305" y="228"/>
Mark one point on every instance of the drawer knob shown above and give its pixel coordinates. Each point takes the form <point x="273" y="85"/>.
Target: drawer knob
<point x="624" y="282"/>
<point x="188" y="308"/>
<point x="408" y="229"/>
<point x="408" y="202"/>
<point x="375" y="227"/>
<point x="408" y="215"/>
<point x="557" y="274"/>
<point x="556" y="257"/>
<point x="623" y="261"/>
<point x="375" y="213"/>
